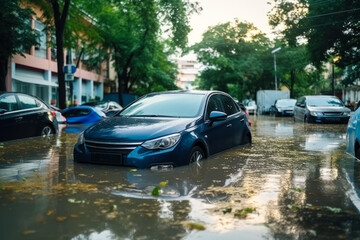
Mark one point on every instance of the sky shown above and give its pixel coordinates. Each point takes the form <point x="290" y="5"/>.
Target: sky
<point x="222" y="11"/>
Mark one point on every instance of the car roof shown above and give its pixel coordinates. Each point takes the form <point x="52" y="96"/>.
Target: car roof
<point x="202" y="92"/>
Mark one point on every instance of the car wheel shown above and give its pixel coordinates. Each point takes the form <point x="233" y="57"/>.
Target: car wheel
<point x="46" y="131"/>
<point x="196" y="155"/>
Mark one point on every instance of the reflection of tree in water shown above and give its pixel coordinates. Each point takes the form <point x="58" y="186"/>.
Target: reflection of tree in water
<point x="320" y="209"/>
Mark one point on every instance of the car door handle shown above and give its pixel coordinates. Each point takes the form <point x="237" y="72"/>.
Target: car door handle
<point x="241" y="120"/>
<point x="18" y="119"/>
<point x="229" y="125"/>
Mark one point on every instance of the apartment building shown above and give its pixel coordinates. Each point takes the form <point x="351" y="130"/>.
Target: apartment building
<point x="188" y="71"/>
<point x="36" y="73"/>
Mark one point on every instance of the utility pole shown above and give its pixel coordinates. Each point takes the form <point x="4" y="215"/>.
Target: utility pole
<point x="274" y="52"/>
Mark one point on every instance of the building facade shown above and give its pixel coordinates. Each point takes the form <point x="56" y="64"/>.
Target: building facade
<point x="188" y="71"/>
<point x="36" y="73"/>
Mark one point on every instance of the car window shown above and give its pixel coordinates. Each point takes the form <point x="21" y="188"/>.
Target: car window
<point x="27" y="102"/>
<point x="76" y="113"/>
<point x="325" y="102"/>
<point x="8" y="102"/>
<point x="214" y="104"/>
<point x="170" y="105"/>
<point x="229" y="105"/>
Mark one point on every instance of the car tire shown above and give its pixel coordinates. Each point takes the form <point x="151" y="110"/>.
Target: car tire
<point x="46" y="131"/>
<point x="196" y="155"/>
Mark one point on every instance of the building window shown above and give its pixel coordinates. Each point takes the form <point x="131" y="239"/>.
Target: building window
<point x="40" y="49"/>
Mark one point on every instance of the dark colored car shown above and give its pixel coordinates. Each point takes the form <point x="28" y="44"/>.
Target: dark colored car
<point x="283" y="107"/>
<point x="166" y="129"/>
<point x="22" y="116"/>
<point x="321" y="109"/>
<point x="82" y="115"/>
<point x="109" y="108"/>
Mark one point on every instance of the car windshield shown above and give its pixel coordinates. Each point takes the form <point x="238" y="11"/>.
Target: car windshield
<point x="251" y="104"/>
<point x="325" y="102"/>
<point x="97" y="105"/>
<point x="286" y="103"/>
<point x="166" y="105"/>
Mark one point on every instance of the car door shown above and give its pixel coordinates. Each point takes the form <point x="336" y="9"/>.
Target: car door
<point x="33" y="115"/>
<point x="217" y="133"/>
<point x="235" y="122"/>
<point x="299" y="109"/>
<point x="10" y="118"/>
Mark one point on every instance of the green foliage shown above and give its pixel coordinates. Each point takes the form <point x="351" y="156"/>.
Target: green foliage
<point x="131" y="32"/>
<point x="236" y="56"/>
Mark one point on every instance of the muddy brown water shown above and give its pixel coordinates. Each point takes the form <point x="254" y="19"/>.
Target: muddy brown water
<point x="294" y="182"/>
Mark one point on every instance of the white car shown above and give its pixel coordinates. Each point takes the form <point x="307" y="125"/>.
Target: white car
<point x="251" y="107"/>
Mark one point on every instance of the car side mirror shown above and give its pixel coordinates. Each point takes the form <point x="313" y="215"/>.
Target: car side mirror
<point x="2" y="110"/>
<point x="217" y="116"/>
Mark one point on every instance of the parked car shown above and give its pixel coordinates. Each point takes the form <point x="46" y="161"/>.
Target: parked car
<point x="353" y="133"/>
<point x="108" y="107"/>
<point x="321" y="109"/>
<point x="166" y="129"/>
<point x="22" y="116"/>
<point x="283" y="107"/>
<point x="59" y="117"/>
<point x="82" y="115"/>
<point x="251" y="107"/>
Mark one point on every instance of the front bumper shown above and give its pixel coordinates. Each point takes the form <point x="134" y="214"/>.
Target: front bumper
<point x="329" y="119"/>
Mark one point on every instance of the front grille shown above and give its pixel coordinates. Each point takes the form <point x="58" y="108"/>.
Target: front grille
<point x="110" y="147"/>
<point x="333" y="114"/>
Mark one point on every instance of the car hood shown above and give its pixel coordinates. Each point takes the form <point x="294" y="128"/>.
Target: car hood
<point x="135" y="129"/>
<point x="329" y="109"/>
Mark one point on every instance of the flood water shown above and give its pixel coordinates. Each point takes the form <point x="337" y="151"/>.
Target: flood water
<point x="294" y="182"/>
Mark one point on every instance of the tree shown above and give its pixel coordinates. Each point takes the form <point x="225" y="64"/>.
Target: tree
<point x="236" y="56"/>
<point x="133" y="31"/>
<point x="16" y="34"/>
<point x="331" y="29"/>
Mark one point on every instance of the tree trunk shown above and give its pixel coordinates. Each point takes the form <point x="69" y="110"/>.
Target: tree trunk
<point x="4" y="61"/>
<point x="60" y="21"/>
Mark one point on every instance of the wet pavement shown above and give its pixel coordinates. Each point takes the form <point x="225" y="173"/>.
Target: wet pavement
<point x="294" y="182"/>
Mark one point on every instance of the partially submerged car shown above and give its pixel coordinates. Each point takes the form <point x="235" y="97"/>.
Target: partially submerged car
<point x="23" y="115"/>
<point x="283" y="107"/>
<point x="321" y="109"/>
<point x="108" y="107"/>
<point x="166" y="129"/>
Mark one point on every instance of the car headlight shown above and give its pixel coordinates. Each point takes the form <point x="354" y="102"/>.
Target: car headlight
<point x="346" y="114"/>
<point x="316" y="113"/>
<point x="80" y="140"/>
<point x="162" y="142"/>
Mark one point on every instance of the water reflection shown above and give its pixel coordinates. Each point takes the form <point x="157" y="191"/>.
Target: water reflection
<point x="293" y="189"/>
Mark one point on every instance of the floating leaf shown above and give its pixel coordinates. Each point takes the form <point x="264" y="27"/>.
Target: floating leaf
<point x="227" y="210"/>
<point x="24" y="179"/>
<point x="196" y="226"/>
<point x="155" y="191"/>
<point x="50" y="212"/>
<point x="27" y="232"/>
<point x="61" y="218"/>
<point x="242" y="213"/>
<point x="133" y="170"/>
<point x="164" y="183"/>
<point x="334" y="210"/>
<point x="292" y="207"/>
<point x="113" y="207"/>
<point x="298" y="189"/>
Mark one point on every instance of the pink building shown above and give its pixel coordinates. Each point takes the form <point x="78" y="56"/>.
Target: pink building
<point x="36" y="73"/>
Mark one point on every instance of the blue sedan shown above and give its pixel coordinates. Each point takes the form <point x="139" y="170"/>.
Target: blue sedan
<point x="166" y="129"/>
<point x="353" y="134"/>
<point x="82" y="115"/>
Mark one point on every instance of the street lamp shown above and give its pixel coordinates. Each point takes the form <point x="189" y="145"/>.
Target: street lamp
<point x="273" y="52"/>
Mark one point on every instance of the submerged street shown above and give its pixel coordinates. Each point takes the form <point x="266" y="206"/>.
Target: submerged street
<point x="294" y="182"/>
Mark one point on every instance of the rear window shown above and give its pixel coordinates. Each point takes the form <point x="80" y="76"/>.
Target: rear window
<point x="27" y="102"/>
